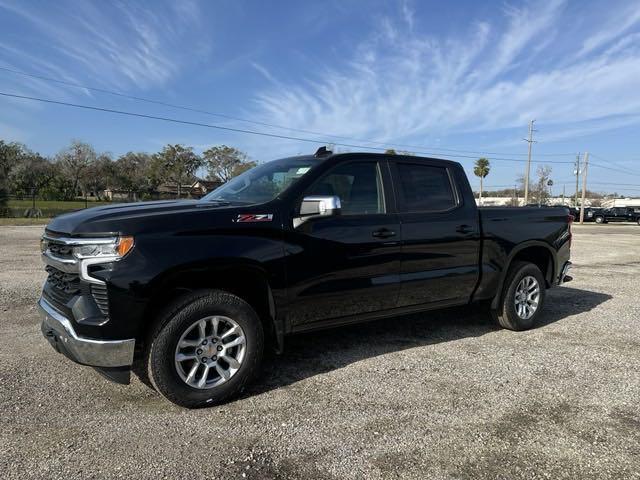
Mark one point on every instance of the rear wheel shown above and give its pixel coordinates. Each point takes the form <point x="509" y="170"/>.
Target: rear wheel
<point x="205" y="349"/>
<point x="522" y="297"/>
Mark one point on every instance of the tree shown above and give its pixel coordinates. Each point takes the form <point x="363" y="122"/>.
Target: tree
<point x="224" y="163"/>
<point x="481" y="169"/>
<point x="98" y="176"/>
<point x="134" y="174"/>
<point x="30" y="176"/>
<point x="10" y="155"/>
<point x="74" y="161"/>
<point x="540" y="191"/>
<point x="390" y="151"/>
<point x="178" y="164"/>
<point x="59" y="188"/>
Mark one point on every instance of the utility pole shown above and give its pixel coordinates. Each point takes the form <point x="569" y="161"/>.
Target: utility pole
<point x="576" y="172"/>
<point x="584" y="185"/>
<point x="563" y="186"/>
<point x="526" y="174"/>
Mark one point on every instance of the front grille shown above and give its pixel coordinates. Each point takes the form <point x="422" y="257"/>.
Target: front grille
<point x="99" y="294"/>
<point x="62" y="286"/>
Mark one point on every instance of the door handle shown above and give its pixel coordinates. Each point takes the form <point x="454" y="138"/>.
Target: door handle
<point x="383" y="233"/>
<point x="464" y="229"/>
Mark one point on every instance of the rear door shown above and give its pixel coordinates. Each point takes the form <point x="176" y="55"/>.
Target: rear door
<point x="616" y="214"/>
<point x="439" y="260"/>
<point x="348" y="264"/>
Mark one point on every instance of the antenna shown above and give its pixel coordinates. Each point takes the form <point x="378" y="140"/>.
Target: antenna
<point x="323" y="152"/>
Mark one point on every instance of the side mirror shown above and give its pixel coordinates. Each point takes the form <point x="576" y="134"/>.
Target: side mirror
<point x="317" y="206"/>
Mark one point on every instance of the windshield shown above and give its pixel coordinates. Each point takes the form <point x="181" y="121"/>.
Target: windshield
<point x="262" y="183"/>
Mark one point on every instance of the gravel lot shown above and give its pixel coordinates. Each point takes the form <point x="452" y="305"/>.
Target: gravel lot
<point x="438" y="395"/>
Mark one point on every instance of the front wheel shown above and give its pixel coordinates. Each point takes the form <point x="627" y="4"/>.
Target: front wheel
<point x="599" y="220"/>
<point x="522" y="297"/>
<point x="205" y="349"/>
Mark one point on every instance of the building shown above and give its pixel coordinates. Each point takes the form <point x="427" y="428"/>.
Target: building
<point x="197" y="189"/>
<point x="621" y="202"/>
<point x="567" y="201"/>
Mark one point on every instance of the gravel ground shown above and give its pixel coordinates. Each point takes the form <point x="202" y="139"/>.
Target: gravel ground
<point x="438" y="395"/>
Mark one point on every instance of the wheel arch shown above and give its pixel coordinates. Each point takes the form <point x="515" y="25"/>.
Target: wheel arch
<point x="534" y="251"/>
<point x="248" y="280"/>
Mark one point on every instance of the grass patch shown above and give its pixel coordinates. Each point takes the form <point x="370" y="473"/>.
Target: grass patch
<point x="18" y="222"/>
<point x="54" y="204"/>
<point x="48" y="208"/>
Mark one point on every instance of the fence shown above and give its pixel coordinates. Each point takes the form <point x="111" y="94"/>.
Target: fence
<point x="23" y="207"/>
<point x="16" y="207"/>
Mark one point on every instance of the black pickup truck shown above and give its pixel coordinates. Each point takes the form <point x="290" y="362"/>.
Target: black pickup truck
<point x="615" y="214"/>
<point x="187" y="294"/>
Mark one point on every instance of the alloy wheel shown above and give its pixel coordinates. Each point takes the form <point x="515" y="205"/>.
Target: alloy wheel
<point x="527" y="296"/>
<point x="210" y="352"/>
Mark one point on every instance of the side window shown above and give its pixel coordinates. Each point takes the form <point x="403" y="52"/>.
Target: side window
<point x="358" y="184"/>
<point x="425" y="188"/>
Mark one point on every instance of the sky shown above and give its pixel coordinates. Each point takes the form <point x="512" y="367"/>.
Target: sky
<point x="455" y="80"/>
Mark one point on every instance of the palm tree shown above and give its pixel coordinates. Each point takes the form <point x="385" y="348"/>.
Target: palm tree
<point x="481" y="169"/>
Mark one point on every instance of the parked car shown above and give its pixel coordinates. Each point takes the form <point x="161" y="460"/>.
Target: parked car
<point x="616" y="214"/>
<point x="589" y="213"/>
<point x="187" y="294"/>
<point x="574" y="212"/>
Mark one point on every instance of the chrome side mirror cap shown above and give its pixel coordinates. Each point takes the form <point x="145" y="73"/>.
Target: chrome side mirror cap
<point x="317" y="206"/>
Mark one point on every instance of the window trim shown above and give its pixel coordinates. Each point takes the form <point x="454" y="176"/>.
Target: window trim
<point x="401" y="200"/>
<point x="386" y="198"/>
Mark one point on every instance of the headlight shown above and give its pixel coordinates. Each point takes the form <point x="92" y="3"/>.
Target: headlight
<point x="116" y="249"/>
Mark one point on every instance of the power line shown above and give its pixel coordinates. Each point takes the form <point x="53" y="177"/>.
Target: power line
<point x="255" y="122"/>
<point x="614" y="169"/>
<point x="627" y="172"/>
<point x="616" y="184"/>
<point x="237" y="130"/>
<point x="616" y="164"/>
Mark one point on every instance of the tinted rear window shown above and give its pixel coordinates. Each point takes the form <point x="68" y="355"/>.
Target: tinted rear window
<point x="425" y="188"/>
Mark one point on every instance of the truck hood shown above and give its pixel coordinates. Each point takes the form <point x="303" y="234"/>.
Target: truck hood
<point x="145" y="217"/>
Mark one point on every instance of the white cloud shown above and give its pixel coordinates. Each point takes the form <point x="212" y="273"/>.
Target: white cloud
<point x="407" y="14"/>
<point x="264" y="72"/>
<point x="400" y="85"/>
<point x="117" y="45"/>
<point x="618" y="24"/>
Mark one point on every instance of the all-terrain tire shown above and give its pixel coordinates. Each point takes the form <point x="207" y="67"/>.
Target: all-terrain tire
<point x="160" y="351"/>
<point x="506" y="314"/>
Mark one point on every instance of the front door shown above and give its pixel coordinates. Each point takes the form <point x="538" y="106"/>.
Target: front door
<point x="347" y="264"/>
<point x="440" y="234"/>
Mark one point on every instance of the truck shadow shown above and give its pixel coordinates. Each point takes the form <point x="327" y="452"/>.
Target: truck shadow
<point x="311" y="354"/>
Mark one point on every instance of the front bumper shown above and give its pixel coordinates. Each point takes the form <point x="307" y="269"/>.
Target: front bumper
<point x="59" y="331"/>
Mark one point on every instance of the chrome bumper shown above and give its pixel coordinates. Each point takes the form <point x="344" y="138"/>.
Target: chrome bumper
<point x="564" y="274"/>
<point x="59" y="331"/>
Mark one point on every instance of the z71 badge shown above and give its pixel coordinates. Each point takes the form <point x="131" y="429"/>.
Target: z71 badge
<point x="254" y="217"/>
